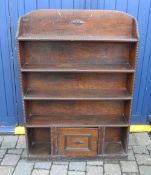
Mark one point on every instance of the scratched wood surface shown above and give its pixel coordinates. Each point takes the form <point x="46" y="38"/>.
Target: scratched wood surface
<point x="77" y="113"/>
<point x="9" y="80"/>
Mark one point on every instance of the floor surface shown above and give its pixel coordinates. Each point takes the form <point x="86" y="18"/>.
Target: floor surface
<point x="13" y="160"/>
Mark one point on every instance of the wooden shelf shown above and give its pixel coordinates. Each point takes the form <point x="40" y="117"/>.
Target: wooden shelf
<point x="75" y="121"/>
<point x="78" y="68"/>
<point x="36" y="37"/>
<point x="79" y="94"/>
<point x="113" y="148"/>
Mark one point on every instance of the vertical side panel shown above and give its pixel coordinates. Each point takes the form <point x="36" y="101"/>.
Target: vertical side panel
<point x="54" y="136"/>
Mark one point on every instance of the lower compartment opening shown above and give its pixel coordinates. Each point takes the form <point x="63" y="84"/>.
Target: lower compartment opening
<point x="39" y="141"/>
<point x="115" y="140"/>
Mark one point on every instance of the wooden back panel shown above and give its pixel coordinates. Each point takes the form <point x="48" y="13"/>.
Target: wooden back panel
<point x="39" y="135"/>
<point x="62" y="23"/>
<point x="47" y="82"/>
<point x="74" y="52"/>
<point x="114" y="134"/>
<point x="73" y="107"/>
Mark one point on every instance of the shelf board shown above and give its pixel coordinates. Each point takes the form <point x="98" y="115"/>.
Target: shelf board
<point x="79" y="94"/>
<point x="75" y="120"/>
<point x="78" y="68"/>
<point x="36" y="37"/>
<point x="113" y="148"/>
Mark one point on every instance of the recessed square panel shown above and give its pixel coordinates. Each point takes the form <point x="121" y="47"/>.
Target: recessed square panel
<point x="78" y="141"/>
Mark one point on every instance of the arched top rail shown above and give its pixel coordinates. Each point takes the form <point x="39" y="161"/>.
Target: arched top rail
<point x="104" y="25"/>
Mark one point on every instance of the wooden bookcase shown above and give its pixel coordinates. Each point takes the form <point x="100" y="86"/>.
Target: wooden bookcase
<point x="77" y="73"/>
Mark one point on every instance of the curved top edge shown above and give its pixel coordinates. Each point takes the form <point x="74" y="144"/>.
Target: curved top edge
<point x="79" y="10"/>
<point x="61" y="12"/>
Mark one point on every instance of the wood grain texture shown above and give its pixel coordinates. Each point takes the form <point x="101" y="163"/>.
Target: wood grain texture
<point x="76" y="107"/>
<point x="39" y="141"/>
<point x="107" y="68"/>
<point x="76" y="86"/>
<point x="76" y="121"/>
<point x="78" y="141"/>
<point x="54" y="143"/>
<point x="70" y="53"/>
<point x="77" y="81"/>
<point x="115" y="140"/>
<point x="48" y="82"/>
<point x="15" y="9"/>
<point x="61" y="24"/>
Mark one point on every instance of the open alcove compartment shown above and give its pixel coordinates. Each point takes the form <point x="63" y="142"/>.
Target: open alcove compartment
<point x="86" y="86"/>
<point x="77" y="69"/>
<point x="77" y="56"/>
<point x="39" y="142"/>
<point x="77" y="113"/>
<point x="74" y="141"/>
<point x="115" y="141"/>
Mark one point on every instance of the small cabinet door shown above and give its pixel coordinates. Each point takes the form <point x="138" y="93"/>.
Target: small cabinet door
<point x="77" y="141"/>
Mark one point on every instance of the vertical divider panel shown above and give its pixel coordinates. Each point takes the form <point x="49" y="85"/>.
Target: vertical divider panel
<point x="100" y="140"/>
<point x="54" y="141"/>
<point x="104" y="134"/>
<point x="27" y="140"/>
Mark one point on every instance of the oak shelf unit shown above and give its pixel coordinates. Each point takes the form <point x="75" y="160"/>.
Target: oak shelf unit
<point x="77" y="82"/>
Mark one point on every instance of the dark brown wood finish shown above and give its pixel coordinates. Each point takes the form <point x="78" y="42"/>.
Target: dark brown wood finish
<point x="76" y="86"/>
<point x="76" y="25"/>
<point x="76" y="107"/>
<point x="39" y="141"/>
<point x="114" y="140"/>
<point x="77" y="141"/>
<point x="77" y="72"/>
<point x="78" y="52"/>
